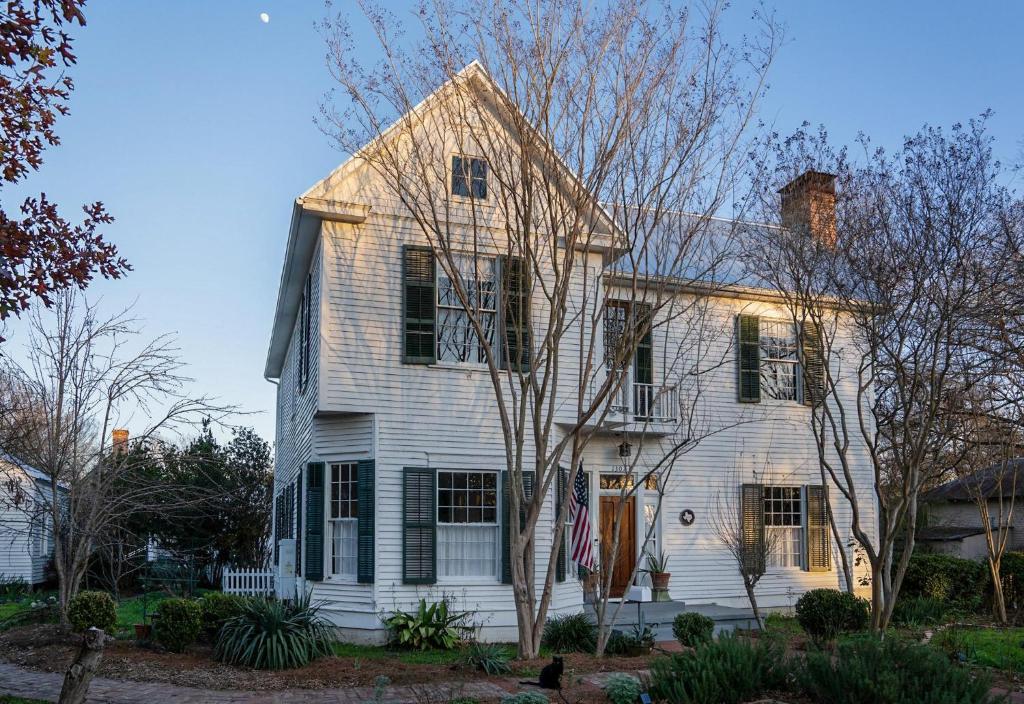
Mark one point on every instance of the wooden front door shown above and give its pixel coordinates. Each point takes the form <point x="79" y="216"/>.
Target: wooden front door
<point x="626" y="559"/>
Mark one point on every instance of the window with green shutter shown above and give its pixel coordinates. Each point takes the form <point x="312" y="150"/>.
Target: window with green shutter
<point x="419" y="313"/>
<point x="515" y="289"/>
<point x="813" y="364"/>
<point x="749" y="358"/>
<point x="365" y="521"/>
<point x="560" y="499"/>
<point x="643" y="372"/>
<point x="314" y="522"/>
<point x="506" y="523"/>
<point x="298" y="525"/>
<point x="419" y="534"/>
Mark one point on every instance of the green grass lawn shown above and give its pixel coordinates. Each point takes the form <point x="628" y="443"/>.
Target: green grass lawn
<point x="1002" y="648"/>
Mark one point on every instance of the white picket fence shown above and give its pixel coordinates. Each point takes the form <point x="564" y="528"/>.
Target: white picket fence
<point x="247" y="582"/>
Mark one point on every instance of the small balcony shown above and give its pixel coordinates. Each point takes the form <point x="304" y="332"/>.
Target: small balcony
<point x="645" y="403"/>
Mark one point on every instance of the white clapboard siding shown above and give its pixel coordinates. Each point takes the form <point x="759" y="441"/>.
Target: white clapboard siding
<point x="248" y="582"/>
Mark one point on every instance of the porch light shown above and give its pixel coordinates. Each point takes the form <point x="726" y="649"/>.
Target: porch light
<point x="625" y="449"/>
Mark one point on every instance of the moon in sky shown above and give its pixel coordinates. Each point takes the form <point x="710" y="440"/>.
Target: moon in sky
<point x="264" y="17"/>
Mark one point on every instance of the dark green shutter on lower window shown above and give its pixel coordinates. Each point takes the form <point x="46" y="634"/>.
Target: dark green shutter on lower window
<point x="365" y="522"/>
<point x="315" y="521"/>
<point x="419" y="309"/>
<point x="298" y="525"/>
<point x="278" y="525"/>
<point x="419" y="526"/>
<point x="748" y="341"/>
<point x="515" y="288"/>
<point x="752" y="527"/>
<point x="506" y="523"/>
<point x="819" y="546"/>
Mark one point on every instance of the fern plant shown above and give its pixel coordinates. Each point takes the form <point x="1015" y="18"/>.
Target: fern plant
<point x="274" y="635"/>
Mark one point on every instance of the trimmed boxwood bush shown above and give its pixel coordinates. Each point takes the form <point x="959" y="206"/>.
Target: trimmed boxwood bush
<point x="570" y="633"/>
<point x="691" y="629"/>
<point x="826" y="613"/>
<point x="727" y="671"/>
<point x="891" y="671"/>
<point x="958" y="582"/>
<point x="92" y="609"/>
<point x="178" y="623"/>
<point x="218" y="607"/>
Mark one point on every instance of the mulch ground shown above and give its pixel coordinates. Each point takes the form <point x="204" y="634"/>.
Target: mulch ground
<point x="49" y="648"/>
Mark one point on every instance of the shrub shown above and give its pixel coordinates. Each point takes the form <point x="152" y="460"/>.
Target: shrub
<point x="826" y="613"/>
<point x="961" y="583"/>
<point x="1011" y="574"/>
<point x="691" y="629"/>
<point x="218" y="607"/>
<point x="570" y="633"/>
<point x="618" y="643"/>
<point x="432" y="626"/>
<point x="526" y="698"/>
<point x="491" y="658"/>
<point x="92" y="609"/>
<point x="892" y="671"/>
<point x="12" y="588"/>
<point x="918" y="611"/>
<point x="178" y="623"/>
<point x="727" y="671"/>
<point x="274" y="635"/>
<point x="622" y="689"/>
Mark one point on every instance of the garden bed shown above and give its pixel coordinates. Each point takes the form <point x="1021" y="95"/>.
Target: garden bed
<point x="49" y="648"/>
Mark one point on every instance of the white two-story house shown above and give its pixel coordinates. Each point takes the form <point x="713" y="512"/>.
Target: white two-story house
<point x="389" y="455"/>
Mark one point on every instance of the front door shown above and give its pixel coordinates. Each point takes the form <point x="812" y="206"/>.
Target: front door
<point x="626" y="559"/>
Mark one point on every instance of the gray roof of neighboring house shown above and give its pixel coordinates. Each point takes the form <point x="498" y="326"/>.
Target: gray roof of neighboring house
<point x="944" y="534"/>
<point x="27" y="468"/>
<point x="991" y="481"/>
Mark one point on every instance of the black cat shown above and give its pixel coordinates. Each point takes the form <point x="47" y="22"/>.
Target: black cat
<point x="551" y="675"/>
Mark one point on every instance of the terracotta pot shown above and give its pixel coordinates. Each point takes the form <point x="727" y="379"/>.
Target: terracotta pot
<point x="143" y="631"/>
<point x="659" y="580"/>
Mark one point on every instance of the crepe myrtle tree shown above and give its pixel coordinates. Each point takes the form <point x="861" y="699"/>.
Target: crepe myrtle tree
<point x="549" y="111"/>
<point x="887" y="292"/>
<point x="81" y="375"/>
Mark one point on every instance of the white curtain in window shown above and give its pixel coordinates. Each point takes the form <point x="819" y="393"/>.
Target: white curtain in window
<point x="343" y="546"/>
<point x="787" y="548"/>
<point x="467" y="550"/>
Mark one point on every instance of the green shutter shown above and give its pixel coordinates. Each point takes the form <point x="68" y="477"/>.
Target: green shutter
<point x="818" y="557"/>
<point x="419" y="523"/>
<point x="515" y="288"/>
<point x="278" y="524"/>
<point x="418" y="306"/>
<point x="365" y="523"/>
<point x="298" y="525"/>
<point x="314" y="522"/>
<point x="506" y="523"/>
<point x="752" y="528"/>
<point x="749" y="354"/>
<point x="813" y="364"/>
<point x="559" y="502"/>
<point x="643" y="371"/>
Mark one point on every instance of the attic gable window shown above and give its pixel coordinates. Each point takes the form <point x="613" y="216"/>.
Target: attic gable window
<point x="469" y="177"/>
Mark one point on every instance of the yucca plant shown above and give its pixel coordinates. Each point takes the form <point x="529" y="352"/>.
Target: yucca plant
<point x="274" y="635"/>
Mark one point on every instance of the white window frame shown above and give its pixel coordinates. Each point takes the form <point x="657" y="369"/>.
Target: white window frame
<point x="352" y="520"/>
<point x="781" y="556"/>
<point x="475" y="265"/>
<point x="770" y="362"/>
<point x="496" y="526"/>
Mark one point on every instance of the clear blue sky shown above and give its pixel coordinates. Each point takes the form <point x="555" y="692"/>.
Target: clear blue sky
<point x="193" y="122"/>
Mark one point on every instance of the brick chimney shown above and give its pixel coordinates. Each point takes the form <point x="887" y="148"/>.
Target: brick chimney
<point x="809" y="203"/>
<point x="119" y="440"/>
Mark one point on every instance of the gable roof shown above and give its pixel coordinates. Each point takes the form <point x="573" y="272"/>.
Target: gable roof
<point x="310" y="209"/>
<point x="990" y="481"/>
<point x="29" y="470"/>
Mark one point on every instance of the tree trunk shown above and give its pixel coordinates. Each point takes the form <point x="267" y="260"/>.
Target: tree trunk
<point x="998" y="600"/>
<point x="753" y="604"/>
<point x="79" y="675"/>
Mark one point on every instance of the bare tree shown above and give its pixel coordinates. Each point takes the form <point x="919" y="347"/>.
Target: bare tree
<point x="562" y="106"/>
<point x="887" y="289"/>
<point x="83" y="375"/>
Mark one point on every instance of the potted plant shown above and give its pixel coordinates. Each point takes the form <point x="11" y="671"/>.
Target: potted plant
<point x="641" y="642"/>
<point x="657" y="567"/>
<point x="591" y="584"/>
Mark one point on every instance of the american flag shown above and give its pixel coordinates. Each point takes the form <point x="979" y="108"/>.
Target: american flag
<point x="582" y="551"/>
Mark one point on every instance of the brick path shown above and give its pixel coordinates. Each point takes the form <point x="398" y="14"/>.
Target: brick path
<point x="20" y="682"/>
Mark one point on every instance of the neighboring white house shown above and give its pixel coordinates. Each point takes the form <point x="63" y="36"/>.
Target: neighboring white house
<point x="26" y="537"/>
<point x="373" y="444"/>
<point x="952" y="519"/>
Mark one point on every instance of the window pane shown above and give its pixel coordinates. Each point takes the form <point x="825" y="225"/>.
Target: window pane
<point x="344" y="547"/>
<point x="467" y="551"/>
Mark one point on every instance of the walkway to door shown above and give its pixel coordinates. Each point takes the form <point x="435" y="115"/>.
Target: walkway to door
<point x="659" y="615"/>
